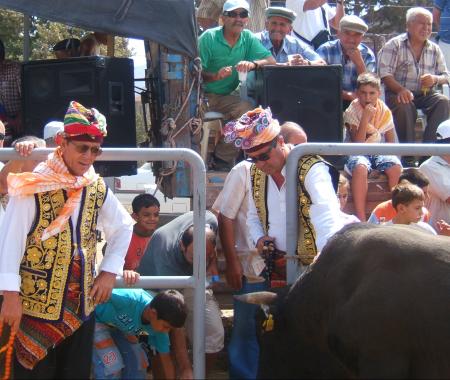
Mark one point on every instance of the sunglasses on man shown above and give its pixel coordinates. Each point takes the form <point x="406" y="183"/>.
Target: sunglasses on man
<point x="234" y="14"/>
<point x="263" y="156"/>
<point x="83" y="148"/>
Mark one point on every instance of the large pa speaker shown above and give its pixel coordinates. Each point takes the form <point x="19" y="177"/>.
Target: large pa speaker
<point x="307" y="95"/>
<point x="104" y="83"/>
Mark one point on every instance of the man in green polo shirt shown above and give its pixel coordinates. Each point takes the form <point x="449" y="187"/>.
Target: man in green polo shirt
<point x="225" y="51"/>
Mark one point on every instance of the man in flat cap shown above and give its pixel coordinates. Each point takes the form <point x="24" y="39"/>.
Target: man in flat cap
<point x="281" y="44"/>
<point x="68" y="48"/>
<point x="411" y="66"/>
<point x="225" y="51"/>
<point x="258" y="134"/>
<point x="349" y="51"/>
<point x="48" y="251"/>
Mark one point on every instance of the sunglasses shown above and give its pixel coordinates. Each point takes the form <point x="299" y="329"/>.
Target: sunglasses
<point x="82" y="148"/>
<point x="263" y="156"/>
<point x="234" y="14"/>
<point x="2" y="136"/>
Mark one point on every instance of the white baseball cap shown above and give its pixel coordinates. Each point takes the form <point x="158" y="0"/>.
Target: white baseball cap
<point x="443" y="131"/>
<point x="52" y="128"/>
<point x="231" y="5"/>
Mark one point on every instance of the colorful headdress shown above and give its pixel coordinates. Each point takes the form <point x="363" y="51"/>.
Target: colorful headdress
<point x="253" y="128"/>
<point x="81" y="123"/>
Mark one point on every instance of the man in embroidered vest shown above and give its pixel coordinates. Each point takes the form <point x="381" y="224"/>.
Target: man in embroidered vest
<point x="47" y="263"/>
<point x="258" y="134"/>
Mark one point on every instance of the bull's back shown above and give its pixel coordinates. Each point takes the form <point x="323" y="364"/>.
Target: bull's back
<point x="376" y="301"/>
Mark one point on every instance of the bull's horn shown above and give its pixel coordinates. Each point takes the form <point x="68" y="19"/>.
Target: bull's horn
<point x="257" y="298"/>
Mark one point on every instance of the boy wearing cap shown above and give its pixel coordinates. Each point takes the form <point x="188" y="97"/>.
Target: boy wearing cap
<point x="437" y="170"/>
<point x="277" y="39"/>
<point x="47" y="263"/>
<point x="225" y="51"/>
<point x="349" y="51"/>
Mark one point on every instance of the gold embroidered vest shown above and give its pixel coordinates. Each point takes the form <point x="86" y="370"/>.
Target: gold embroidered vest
<point x="306" y="243"/>
<point x="46" y="265"/>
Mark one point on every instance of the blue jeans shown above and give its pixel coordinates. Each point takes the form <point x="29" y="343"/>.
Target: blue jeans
<point x="119" y="360"/>
<point x="243" y="349"/>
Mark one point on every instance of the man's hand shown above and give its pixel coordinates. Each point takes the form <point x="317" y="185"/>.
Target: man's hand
<point x="404" y="96"/>
<point x="11" y="311"/>
<point x="234" y="274"/>
<point x="443" y="228"/>
<point x="130" y="277"/>
<point x="298" y="60"/>
<point x="245" y="66"/>
<point x="25" y="148"/>
<point x="355" y="56"/>
<point x="102" y="288"/>
<point x="427" y="81"/>
<point x="261" y="241"/>
<point x="224" y="72"/>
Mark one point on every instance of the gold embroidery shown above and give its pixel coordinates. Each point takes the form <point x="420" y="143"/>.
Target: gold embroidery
<point x="259" y="195"/>
<point x="45" y="265"/>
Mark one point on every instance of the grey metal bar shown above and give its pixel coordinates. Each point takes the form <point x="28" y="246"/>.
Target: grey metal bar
<point x="336" y="149"/>
<point x="26" y="37"/>
<point x="159" y="282"/>
<point x="197" y="281"/>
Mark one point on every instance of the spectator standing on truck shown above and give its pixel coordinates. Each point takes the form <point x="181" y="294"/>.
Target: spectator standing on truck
<point x="411" y="66"/>
<point x="10" y="96"/>
<point x="441" y="19"/>
<point x="225" y="51"/>
<point x="47" y="263"/>
<point x="314" y="18"/>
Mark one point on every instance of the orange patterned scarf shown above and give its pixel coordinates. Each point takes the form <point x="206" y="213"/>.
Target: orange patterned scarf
<point x="49" y="176"/>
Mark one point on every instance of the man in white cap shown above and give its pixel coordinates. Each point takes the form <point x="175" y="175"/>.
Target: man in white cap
<point x="209" y="12"/>
<point x="281" y="44"/>
<point x="51" y="130"/>
<point x="349" y="51"/>
<point x="437" y="170"/>
<point x="225" y="51"/>
<point x="411" y="66"/>
<point x="314" y="18"/>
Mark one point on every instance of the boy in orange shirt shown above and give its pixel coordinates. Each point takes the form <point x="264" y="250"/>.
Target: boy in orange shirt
<point x="146" y="214"/>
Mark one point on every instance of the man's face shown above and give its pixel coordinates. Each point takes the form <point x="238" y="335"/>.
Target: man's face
<point x="79" y="155"/>
<point x="413" y="211"/>
<point x="235" y="20"/>
<point x="350" y="40"/>
<point x="419" y="28"/>
<point x="210" y="252"/>
<point x="367" y="94"/>
<point x="278" y="27"/>
<point x="269" y="159"/>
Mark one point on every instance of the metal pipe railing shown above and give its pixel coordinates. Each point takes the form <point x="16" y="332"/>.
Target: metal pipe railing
<point x="336" y="149"/>
<point x="197" y="280"/>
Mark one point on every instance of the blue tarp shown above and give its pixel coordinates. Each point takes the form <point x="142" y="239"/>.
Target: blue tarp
<point x="168" y="22"/>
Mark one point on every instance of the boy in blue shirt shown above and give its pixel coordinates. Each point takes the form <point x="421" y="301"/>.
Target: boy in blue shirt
<point x="129" y="313"/>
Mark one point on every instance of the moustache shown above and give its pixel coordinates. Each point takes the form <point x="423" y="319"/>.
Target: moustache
<point x="238" y="23"/>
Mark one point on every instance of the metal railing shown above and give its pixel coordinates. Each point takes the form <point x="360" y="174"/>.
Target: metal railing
<point x="197" y="280"/>
<point x="336" y="149"/>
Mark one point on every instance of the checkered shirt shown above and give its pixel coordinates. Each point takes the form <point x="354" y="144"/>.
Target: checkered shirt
<point x="396" y="58"/>
<point x="10" y="87"/>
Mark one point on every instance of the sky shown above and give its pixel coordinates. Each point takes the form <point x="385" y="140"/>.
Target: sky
<point x="138" y="57"/>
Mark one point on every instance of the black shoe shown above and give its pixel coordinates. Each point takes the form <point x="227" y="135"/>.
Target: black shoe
<point x="410" y="161"/>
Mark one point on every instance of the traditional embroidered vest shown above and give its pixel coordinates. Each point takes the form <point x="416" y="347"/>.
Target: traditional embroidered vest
<point x="46" y="265"/>
<point x="306" y="243"/>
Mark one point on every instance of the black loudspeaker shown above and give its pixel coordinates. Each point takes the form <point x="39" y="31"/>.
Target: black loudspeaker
<point x="104" y="83"/>
<point x="308" y="95"/>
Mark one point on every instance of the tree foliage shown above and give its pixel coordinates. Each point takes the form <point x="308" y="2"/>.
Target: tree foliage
<point x="44" y="34"/>
<point x="384" y="16"/>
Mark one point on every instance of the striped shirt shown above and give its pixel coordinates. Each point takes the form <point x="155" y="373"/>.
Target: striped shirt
<point x="332" y="53"/>
<point x="397" y="59"/>
<point x="212" y="9"/>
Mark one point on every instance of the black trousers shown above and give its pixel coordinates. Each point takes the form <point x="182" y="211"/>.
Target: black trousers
<point x="69" y="360"/>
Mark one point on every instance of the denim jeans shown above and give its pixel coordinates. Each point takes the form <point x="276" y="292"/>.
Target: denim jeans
<point x="120" y="360"/>
<point x="243" y="349"/>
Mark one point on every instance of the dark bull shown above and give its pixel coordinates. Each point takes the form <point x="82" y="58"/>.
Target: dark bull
<point x="374" y="305"/>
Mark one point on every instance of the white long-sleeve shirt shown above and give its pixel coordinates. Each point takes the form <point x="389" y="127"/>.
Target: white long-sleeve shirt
<point x="113" y="219"/>
<point x="324" y="211"/>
